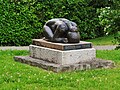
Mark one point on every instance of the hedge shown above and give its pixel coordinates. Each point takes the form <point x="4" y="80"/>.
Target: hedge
<point x="18" y="23"/>
<point x="22" y="20"/>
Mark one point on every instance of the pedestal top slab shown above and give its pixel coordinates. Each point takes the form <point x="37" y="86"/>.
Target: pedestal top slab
<point x="62" y="46"/>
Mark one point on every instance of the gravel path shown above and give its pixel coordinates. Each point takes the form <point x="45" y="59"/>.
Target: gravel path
<point x="14" y="48"/>
<point x="107" y="47"/>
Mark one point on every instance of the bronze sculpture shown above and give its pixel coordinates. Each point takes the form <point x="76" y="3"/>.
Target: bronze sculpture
<point x="61" y="30"/>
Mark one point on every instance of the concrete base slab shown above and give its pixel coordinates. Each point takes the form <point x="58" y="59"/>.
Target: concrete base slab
<point x="96" y="63"/>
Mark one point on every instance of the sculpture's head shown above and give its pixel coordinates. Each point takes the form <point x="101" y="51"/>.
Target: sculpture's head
<point x="73" y="37"/>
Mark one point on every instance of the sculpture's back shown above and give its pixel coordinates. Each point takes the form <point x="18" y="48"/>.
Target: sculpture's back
<point x="61" y="30"/>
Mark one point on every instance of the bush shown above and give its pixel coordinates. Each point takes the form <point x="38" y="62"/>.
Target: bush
<point x="109" y="18"/>
<point x="22" y="20"/>
<point x="18" y="23"/>
<point x="117" y="37"/>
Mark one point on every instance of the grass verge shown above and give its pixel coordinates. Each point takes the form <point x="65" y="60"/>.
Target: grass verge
<point x="106" y="40"/>
<point x="18" y="76"/>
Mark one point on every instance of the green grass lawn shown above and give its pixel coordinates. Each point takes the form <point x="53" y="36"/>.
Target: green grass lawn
<point x="18" y="76"/>
<point x="106" y="40"/>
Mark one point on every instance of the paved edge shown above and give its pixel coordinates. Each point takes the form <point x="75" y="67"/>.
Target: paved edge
<point x="14" y="48"/>
<point x="106" y="47"/>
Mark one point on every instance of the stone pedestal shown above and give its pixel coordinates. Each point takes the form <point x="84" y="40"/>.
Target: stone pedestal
<point x="63" y="57"/>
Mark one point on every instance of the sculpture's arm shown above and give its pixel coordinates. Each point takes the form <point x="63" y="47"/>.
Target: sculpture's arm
<point x="48" y="32"/>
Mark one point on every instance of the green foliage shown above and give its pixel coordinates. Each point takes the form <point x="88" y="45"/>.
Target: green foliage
<point x="117" y="47"/>
<point x="22" y="20"/>
<point x="109" y="18"/>
<point x="100" y="3"/>
<point x="117" y="37"/>
<point x="18" y="23"/>
<point x="18" y="76"/>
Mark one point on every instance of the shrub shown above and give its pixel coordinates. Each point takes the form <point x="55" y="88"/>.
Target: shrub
<point x="22" y="20"/>
<point x="18" y="23"/>
<point x="109" y="18"/>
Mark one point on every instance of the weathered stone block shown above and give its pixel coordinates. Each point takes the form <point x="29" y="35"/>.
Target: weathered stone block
<point x="96" y="63"/>
<point x="62" y="57"/>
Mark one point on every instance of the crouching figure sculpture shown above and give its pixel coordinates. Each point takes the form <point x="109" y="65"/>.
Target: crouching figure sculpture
<point x="61" y="30"/>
